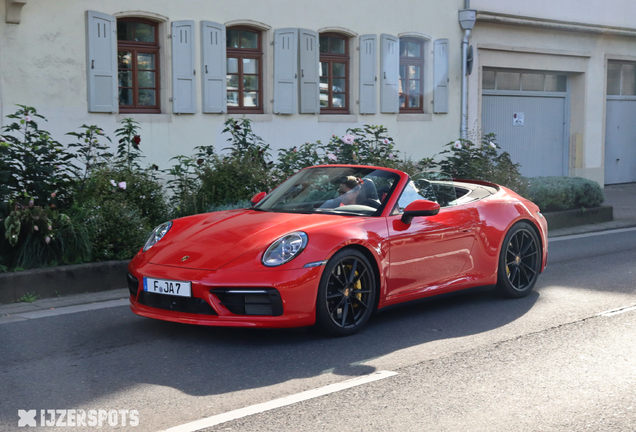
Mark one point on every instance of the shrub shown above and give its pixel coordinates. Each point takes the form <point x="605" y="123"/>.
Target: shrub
<point x="467" y="160"/>
<point x="564" y="193"/>
<point x="369" y="145"/>
<point x="38" y="237"/>
<point x="209" y="179"/>
<point x="90" y="152"/>
<point x="117" y="230"/>
<point x="32" y="164"/>
<point x="138" y="189"/>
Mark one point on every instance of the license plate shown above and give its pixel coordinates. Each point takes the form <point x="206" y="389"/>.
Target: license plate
<point x="168" y="287"/>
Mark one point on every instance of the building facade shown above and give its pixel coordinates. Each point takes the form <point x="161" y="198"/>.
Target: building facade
<point x="301" y="71"/>
<point x="556" y="82"/>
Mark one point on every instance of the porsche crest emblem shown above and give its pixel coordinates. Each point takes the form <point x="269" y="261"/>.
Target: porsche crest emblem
<point x="185" y="258"/>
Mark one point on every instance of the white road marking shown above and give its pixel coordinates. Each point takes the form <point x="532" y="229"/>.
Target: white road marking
<point x="598" y="233"/>
<point x="617" y="311"/>
<point x="277" y="403"/>
<point x="23" y="316"/>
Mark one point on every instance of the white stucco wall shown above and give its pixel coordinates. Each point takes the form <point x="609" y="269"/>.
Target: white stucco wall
<point x="43" y="64"/>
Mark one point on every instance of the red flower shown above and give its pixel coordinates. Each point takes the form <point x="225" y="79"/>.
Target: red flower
<point x="137" y="139"/>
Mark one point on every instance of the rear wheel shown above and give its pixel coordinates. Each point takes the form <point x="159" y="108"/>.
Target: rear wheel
<point x="519" y="261"/>
<point x="346" y="295"/>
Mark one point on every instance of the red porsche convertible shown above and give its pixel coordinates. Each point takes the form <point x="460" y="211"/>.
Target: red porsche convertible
<point x="333" y="244"/>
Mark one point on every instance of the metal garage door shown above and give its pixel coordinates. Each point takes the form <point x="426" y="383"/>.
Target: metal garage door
<point x="620" y="127"/>
<point x="528" y="113"/>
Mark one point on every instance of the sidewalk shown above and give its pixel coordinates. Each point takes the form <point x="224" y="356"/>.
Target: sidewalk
<point x="621" y="197"/>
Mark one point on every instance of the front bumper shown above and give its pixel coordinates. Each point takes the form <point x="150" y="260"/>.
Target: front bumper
<point x="261" y="298"/>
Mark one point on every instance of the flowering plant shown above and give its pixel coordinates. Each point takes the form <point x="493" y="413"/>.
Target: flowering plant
<point x="32" y="163"/>
<point x="368" y="145"/>
<point x="481" y="161"/>
<point x="128" y="149"/>
<point x="91" y="151"/>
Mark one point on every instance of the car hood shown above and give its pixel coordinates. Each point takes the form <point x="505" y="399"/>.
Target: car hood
<point x="212" y="240"/>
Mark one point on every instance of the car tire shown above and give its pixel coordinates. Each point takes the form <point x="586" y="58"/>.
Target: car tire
<point x="346" y="295"/>
<point x="519" y="261"/>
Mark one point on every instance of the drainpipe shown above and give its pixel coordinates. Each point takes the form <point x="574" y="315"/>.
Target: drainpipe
<point x="467" y="19"/>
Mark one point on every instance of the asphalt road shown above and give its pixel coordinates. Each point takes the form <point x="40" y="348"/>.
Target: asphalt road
<point x="470" y="362"/>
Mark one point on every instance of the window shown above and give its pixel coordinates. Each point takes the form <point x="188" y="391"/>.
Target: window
<point x="621" y="79"/>
<point x="334" y="74"/>
<point x="523" y="81"/>
<point x="244" y="70"/>
<point x="138" y="65"/>
<point x="411" y="75"/>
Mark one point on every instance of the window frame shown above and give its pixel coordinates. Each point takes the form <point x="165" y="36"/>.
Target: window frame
<point x="621" y="91"/>
<point x="145" y="48"/>
<point x="246" y="53"/>
<point x="331" y="58"/>
<point x="412" y="61"/>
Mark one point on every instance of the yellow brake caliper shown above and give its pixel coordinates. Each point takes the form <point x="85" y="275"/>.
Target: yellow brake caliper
<point x="357" y="286"/>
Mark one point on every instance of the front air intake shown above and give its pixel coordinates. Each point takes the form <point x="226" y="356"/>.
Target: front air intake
<point x="250" y="301"/>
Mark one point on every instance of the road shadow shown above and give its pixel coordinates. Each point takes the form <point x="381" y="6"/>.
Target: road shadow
<point x="72" y="360"/>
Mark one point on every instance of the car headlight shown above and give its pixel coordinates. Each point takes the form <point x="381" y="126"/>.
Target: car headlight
<point x="157" y="234"/>
<point x="285" y="249"/>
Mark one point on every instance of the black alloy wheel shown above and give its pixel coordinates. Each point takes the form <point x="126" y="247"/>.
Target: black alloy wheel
<point x="346" y="296"/>
<point x="519" y="262"/>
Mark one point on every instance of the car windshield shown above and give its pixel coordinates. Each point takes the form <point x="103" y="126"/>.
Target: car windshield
<point x="429" y="185"/>
<point x="333" y="190"/>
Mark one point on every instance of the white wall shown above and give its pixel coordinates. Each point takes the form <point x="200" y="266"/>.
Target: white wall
<point x="43" y="64"/>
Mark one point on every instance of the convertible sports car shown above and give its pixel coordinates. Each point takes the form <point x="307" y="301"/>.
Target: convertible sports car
<point x="333" y="244"/>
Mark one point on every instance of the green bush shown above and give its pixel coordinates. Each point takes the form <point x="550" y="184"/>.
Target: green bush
<point x="564" y="193"/>
<point x="208" y="179"/>
<point x="33" y="166"/>
<point x="117" y="230"/>
<point x="467" y="160"/>
<point x="138" y="189"/>
<point x="40" y="237"/>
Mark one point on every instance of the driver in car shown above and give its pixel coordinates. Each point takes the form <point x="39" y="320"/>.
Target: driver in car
<point x="348" y="191"/>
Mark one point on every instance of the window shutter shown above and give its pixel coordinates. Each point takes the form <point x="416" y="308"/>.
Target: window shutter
<point x="183" y="85"/>
<point x="440" y="77"/>
<point x="309" y="64"/>
<point x="213" y="70"/>
<point x="285" y="70"/>
<point x="102" y="63"/>
<point x="368" y="73"/>
<point x="390" y="60"/>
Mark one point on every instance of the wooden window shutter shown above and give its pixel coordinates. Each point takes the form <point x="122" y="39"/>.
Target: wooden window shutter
<point x="390" y="79"/>
<point x="213" y="67"/>
<point x="368" y="74"/>
<point x="440" y="77"/>
<point x="285" y="70"/>
<point x="102" y="63"/>
<point x="183" y="84"/>
<point x="309" y="79"/>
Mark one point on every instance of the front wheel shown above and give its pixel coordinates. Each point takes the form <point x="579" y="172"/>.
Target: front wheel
<point x="519" y="261"/>
<point x="346" y="295"/>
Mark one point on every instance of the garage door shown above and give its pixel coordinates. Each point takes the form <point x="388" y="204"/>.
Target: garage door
<point x="620" y="127"/>
<point x="527" y="111"/>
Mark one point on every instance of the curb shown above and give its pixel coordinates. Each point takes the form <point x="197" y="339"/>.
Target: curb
<point x="71" y="279"/>
<point x="573" y="218"/>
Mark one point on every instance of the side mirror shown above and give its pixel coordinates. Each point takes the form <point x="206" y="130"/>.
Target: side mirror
<point x="419" y="208"/>
<point x="257" y="198"/>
